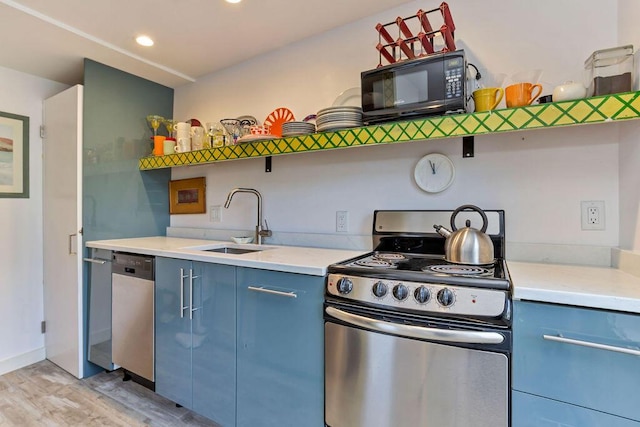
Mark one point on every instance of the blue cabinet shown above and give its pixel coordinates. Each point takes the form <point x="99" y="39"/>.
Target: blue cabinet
<point x="99" y="322"/>
<point x="535" y="411"/>
<point x="586" y="358"/>
<point x="280" y="365"/>
<point x="195" y="337"/>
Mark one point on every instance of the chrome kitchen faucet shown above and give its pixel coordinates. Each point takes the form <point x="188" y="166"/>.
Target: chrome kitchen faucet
<point x="260" y="232"/>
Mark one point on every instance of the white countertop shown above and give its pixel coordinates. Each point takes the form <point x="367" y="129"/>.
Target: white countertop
<point x="594" y="287"/>
<point x="291" y="259"/>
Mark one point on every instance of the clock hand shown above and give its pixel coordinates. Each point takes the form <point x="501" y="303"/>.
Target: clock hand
<point x="433" y="167"/>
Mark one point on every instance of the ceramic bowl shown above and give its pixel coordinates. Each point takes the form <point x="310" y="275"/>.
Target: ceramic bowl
<point x="243" y="240"/>
<point x="260" y="130"/>
<point x="569" y="91"/>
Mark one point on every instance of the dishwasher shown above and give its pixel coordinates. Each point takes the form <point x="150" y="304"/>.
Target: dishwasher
<point x="133" y="315"/>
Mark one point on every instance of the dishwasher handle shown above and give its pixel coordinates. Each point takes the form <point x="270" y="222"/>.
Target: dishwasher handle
<point x="447" y="335"/>
<point x="96" y="260"/>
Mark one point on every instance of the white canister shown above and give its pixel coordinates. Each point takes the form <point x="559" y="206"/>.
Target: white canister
<point x="169" y="146"/>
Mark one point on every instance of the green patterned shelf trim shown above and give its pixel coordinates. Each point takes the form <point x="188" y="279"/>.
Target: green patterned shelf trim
<point x="583" y="111"/>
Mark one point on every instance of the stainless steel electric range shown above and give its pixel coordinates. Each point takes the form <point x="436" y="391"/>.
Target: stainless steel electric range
<point x="411" y="340"/>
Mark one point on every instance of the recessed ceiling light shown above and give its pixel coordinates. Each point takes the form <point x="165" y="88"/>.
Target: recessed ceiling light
<point x="233" y="1"/>
<point x="144" y="40"/>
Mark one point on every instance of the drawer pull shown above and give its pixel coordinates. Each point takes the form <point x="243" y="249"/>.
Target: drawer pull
<point x="271" y="291"/>
<point x="592" y="344"/>
<point x="95" y="260"/>
<point x="182" y="306"/>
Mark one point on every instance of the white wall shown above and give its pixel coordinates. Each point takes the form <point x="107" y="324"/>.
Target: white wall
<point x="629" y="15"/>
<point x="21" y="292"/>
<point x="538" y="177"/>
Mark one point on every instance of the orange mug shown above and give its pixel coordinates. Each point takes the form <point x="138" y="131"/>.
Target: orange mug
<point x="520" y="94"/>
<point x="487" y="99"/>
<point x="158" y="145"/>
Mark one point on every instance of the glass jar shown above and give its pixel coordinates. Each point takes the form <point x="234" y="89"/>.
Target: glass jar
<point x="610" y="71"/>
<point x="215" y="134"/>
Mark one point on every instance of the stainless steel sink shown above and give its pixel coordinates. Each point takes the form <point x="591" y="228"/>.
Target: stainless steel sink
<point x="231" y="250"/>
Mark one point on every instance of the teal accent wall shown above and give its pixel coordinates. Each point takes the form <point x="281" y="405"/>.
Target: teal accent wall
<point x="119" y="200"/>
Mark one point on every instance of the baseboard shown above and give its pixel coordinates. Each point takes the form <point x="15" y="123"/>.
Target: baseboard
<point x="516" y="251"/>
<point x="21" y="360"/>
<point x="625" y="260"/>
<point x="599" y="256"/>
<point x="354" y="242"/>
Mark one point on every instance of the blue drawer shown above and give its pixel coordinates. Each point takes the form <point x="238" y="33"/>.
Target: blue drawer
<point x="552" y="356"/>
<point x="534" y="411"/>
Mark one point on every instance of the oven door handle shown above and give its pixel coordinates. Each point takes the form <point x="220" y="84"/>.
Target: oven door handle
<point x="447" y="335"/>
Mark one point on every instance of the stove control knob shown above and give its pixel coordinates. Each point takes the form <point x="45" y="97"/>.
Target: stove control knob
<point x="400" y="292"/>
<point x="380" y="289"/>
<point x="446" y="297"/>
<point x="422" y="295"/>
<point x="344" y="285"/>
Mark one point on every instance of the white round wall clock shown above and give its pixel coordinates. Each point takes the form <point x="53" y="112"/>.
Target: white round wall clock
<point x="434" y="173"/>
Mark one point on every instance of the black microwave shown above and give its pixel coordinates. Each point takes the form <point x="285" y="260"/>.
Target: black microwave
<point x="432" y="85"/>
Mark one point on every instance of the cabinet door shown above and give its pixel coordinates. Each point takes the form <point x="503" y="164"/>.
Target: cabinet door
<point x="62" y="220"/>
<point x="173" y="330"/>
<point x="280" y="349"/>
<point x="214" y="342"/>
<point x="578" y="355"/>
<point x="534" y="411"/>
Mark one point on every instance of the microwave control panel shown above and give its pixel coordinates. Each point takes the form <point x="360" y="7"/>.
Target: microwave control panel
<point x="454" y="77"/>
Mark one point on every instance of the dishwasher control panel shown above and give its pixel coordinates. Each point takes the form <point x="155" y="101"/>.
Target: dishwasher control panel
<point x="136" y="265"/>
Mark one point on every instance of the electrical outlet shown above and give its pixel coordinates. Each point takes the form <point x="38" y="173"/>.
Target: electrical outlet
<point x="592" y="215"/>
<point x="342" y="221"/>
<point x="215" y="213"/>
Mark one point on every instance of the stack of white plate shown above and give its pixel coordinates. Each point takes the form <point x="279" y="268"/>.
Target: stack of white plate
<point x="297" y="128"/>
<point x="334" y="118"/>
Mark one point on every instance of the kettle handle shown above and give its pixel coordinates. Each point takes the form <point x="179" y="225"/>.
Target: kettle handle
<point x="485" y="221"/>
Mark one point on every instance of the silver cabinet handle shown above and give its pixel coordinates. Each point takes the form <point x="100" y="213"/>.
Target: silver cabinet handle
<point x="191" y="309"/>
<point x="182" y="306"/>
<point x="95" y="260"/>
<point x="470" y="337"/>
<point x="71" y="252"/>
<point x="271" y="291"/>
<point x="560" y="338"/>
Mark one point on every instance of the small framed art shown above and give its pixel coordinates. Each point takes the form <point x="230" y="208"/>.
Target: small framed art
<point x="187" y="196"/>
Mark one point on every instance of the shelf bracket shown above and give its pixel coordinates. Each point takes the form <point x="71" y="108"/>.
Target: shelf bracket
<point x="267" y="164"/>
<point x="467" y="146"/>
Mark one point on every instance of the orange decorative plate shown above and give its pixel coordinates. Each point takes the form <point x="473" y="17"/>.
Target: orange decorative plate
<point x="276" y="118"/>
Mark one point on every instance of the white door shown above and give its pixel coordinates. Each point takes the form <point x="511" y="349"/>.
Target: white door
<point x="62" y="216"/>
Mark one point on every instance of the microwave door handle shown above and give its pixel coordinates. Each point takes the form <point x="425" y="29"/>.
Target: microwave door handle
<point x="446" y="335"/>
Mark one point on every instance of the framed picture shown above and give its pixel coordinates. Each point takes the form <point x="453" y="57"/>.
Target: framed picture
<point x="186" y="196"/>
<point x="14" y="155"/>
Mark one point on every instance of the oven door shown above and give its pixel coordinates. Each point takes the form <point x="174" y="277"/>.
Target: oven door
<point x="380" y="373"/>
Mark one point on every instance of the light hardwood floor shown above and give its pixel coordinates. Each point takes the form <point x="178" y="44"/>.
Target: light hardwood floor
<point x="42" y="394"/>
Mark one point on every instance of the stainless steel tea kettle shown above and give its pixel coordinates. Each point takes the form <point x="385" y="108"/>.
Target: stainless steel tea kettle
<point x="467" y="245"/>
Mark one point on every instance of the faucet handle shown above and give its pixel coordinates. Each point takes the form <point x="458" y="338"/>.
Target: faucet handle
<point x="265" y="232"/>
